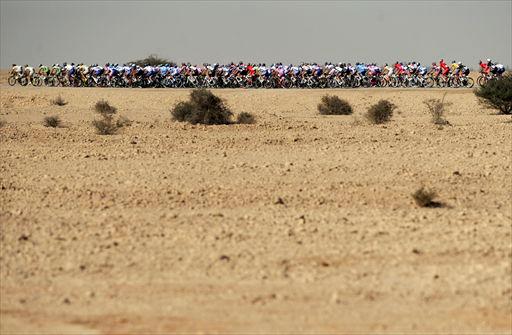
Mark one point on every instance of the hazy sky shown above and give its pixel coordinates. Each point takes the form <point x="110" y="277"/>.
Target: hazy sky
<point x="257" y="31"/>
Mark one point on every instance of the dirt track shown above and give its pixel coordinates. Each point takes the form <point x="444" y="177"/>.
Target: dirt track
<point x="173" y="227"/>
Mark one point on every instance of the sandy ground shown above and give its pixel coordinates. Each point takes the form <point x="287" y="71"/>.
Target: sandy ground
<point x="169" y="227"/>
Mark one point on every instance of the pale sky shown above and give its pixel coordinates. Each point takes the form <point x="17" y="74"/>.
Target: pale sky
<point x="47" y="32"/>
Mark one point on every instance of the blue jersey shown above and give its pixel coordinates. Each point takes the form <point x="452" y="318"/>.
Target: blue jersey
<point x="361" y="68"/>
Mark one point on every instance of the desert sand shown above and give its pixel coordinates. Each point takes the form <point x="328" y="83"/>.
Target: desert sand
<point x="299" y="223"/>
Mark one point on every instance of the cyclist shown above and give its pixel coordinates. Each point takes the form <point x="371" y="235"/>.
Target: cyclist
<point x="444" y="68"/>
<point x="434" y="70"/>
<point x="454" y="66"/>
<point x="422" y="70"/>
<point x="498" y="69"/>
<point x="484" y="68"/>
<point x="44" y="70"/>
<point x="16" y="71"/>
<point x="28" y="73"/>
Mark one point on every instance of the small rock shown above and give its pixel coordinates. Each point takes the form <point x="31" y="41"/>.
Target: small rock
<point x="23" y="237"/>
<point x="66" y="301"/>
<point x="416" y="251"/>
<point x="456" y="173"/>
<point x="224" y="258"/>
<point x="279" y="201"/>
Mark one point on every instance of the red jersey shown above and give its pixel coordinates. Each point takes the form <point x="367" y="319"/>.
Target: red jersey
<point x="251" y="70"/>
<point x="443" y="65"/>
<point x="485" y="67"/>
<point x="399" y="68"/>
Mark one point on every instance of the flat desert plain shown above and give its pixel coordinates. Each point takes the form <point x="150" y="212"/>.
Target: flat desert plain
<point x="300" y="223"/>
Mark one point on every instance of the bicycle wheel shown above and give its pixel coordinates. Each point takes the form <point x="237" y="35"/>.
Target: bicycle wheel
<point x="470" y="82"/>
<point x="11" y="81"/>
<point x="481" y="80"/>
<point x="23" y="81"/>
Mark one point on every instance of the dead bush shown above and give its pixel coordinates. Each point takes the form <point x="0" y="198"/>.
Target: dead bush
<point x="203" y="107"/>
<point x="381" y="112"/>
<point x="437" y="108"/>
<point x="332" y="105"/>
<point x="59" y="101"/>
<point x="123" y="121"/>
<point x="497" y="94"/>
<point x="102" y="107"/>
<point x="425" y="198"/>
<point x="52" y="121"/>
<point x="108" y="125"/>
<point x="105" y="126"/>
<point x="245" y="118"/>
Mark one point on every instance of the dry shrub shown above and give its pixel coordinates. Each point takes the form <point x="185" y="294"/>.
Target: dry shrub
<point x="59" y="101"/>
<point x="102" y="107"/>
<point x="203" y="107"/>
<point x="425" y="198"/>
<point x="52" y="121"/>
<point x="2" y="123"/>
<point x="381" y="112"/>
<point x="497" y="94"/>
<point x="107" y="125"/>
<point x="245" y="118"/>
<point x="332" y="105"/>
<point x="152" y="60"/>
<point x="123" y="121"/>
<point x="437" y="108"/>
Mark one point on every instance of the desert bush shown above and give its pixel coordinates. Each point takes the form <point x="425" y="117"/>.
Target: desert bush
<point x="182" y="111"/>
<point x="332" y="105"/>
<point x="381" y="112"/>
<point x="52" y="121"/>
<point x="437" y="108"/>
<point x="425" y="198"/>
<point x="152" y="60"/>
<point x="123" y="121"/>
<point x="203" y="107"/>
<point x="497" y="94"/>
<point x="103" y="108"/>
<point x="245" y="118"/>
<point x="106" y="126"/>
<point x="59" y="101"/>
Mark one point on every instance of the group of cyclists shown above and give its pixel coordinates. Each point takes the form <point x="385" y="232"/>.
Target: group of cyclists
<point x="247" y="75"/>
